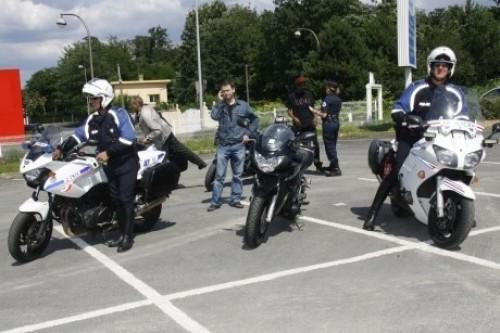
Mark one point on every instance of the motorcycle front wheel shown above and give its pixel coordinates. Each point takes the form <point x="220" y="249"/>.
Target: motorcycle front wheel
<point x="256" y="225"/>
<point x="210" y="177"/>
<point x="23" y="241"/>
<point x="147" y="220"/>
<point x="451" y="230"/>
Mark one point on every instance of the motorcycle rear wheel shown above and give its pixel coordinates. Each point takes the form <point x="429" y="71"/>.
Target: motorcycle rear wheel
<point x="23" y="243"/>
<point x="256" y="226"/>
<point x="449" y="232"/>
<point x="210" y="177"/>
<point x="147" y="220"/>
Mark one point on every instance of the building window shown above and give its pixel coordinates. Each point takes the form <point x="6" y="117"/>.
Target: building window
<point x="154" y="98"/>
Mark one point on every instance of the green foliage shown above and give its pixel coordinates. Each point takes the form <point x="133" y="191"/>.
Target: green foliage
<point x="10" y="162"/>
<point x="355" y="38"/>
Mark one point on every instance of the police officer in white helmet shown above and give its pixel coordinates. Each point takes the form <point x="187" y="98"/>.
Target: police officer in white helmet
<point x="416" y="101"/>
<point x="112" y="131"/>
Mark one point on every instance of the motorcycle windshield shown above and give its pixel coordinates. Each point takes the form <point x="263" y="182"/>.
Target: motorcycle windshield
<point x="46" y="143"/>
<point x="451" y="103"/>
<point x="275" y="140"/>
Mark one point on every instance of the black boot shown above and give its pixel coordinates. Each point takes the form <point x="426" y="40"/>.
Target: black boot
<point x="370" y="222"/>
<point x="128" y="237"/>
<point x="319" y="166"/>
<point x="115" y="242"/>
<point x="382" y="192"/>
<point x="126" y="244"/>
<point x="120" y="217"/>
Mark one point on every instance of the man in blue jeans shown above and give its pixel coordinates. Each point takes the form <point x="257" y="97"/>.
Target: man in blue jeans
<point x="231" y="114"/>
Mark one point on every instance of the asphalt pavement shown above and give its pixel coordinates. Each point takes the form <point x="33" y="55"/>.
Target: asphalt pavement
<point x="193" y="274"/>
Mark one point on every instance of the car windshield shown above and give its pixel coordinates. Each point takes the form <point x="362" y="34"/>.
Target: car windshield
<point x="451" y="103"/>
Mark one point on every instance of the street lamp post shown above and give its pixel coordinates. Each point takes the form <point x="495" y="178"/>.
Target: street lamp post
<point x="84" y="71"/>
<point x="85" y="76"/>
<point x="62" y="22"/>
<point x="200" y="82"/>
<point x="298" y="34"/>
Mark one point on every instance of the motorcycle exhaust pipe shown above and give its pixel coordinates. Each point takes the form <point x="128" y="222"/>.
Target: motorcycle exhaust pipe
<point x="149" y="205"/>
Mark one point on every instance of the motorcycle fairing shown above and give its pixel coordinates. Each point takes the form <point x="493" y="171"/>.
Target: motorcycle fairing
<point x="76" y="178"/>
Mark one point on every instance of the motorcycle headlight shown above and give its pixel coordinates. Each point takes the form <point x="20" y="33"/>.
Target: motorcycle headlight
<point x="473" y="159"/>
<point x="268" y="164"/>
<point x="446" y="157"/>
<point x="32" y="175"/>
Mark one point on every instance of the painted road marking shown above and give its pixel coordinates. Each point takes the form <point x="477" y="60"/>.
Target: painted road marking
<point x="424" y="246"/>
<point x="483" y="231"/>
<point x="478" y="193"/>
<point x="289" y="272"/>
<point x="340" y="204"/>
<point x="164" y="302"/>
<point x="488" y="194"/>
<point x="496" y="163"/>
<point x="151" y="294"/>
<point x="369" y="179"/>
<point x="80" y="317"/>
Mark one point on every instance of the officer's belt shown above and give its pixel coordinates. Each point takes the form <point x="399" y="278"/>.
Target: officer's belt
<point x="331" y="118"/>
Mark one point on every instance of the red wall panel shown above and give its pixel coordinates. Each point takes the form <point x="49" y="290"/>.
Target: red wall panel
<point x="11" y="107"/>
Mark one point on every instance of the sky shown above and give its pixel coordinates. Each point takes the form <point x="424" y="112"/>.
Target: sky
<point x="30" y="39"/>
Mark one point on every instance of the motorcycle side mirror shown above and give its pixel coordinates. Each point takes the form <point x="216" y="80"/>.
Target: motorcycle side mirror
<point x="243" y="122"/>
<point x="496" y="128"/>
<point x="489" y="142"/>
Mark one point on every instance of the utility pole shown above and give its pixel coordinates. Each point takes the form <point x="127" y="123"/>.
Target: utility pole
<point x="246" y="83"/>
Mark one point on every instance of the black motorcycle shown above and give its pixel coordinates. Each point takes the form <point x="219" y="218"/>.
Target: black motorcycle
<point x="280" y="157"/>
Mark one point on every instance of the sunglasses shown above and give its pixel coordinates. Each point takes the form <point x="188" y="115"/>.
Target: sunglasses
<point x="441" y="64"/>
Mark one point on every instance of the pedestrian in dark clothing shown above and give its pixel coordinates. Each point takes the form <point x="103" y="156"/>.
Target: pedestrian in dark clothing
<point x="113" y="132"/>
<point x="300" y="104"/>
<point x="231" y="138"/>
<point x="158" y="131"/>
<point x="330" y="109"/>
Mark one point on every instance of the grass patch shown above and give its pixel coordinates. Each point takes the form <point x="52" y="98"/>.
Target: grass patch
<point x="385" y="130"/>
<point x="10" y="162"/>
<point x="201" y="145"/>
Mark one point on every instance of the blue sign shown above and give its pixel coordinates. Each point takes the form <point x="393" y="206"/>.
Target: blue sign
<point x="412" y="34"/>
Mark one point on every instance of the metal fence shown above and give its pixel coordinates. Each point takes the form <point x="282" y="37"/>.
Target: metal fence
<point x="352" y="112"/>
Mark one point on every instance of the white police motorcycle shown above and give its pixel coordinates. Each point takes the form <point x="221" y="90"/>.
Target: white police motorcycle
<point x="434" y="181"/>
<point x="77" y="194"/>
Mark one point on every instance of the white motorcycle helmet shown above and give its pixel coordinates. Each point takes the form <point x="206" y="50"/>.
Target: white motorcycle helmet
<point x="99" y="88"/>
<point x="442" y="54"/>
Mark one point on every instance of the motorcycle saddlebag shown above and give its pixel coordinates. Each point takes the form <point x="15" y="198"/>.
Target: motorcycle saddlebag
<point x="160" y="180"/>
<point x="376" y="152"/>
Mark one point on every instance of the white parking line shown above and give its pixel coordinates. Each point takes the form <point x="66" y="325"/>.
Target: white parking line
<point x="424" y="246"/>
<point x="80" y="317"/>
<point x="151" y="294"/>
<point x="478" y="193"/>
<point x="488" y="162"/>
<point x="164" y="302"/>
<point x="488" y="194"/>
<point x="369" y="179"/>
<point x="289" y="272"/>
<point x="484" y="231"/>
